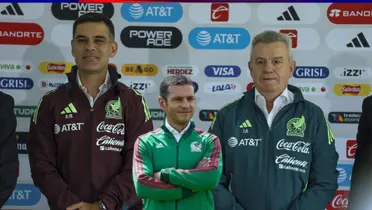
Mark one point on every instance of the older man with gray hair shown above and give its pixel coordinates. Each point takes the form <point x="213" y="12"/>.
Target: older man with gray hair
<point x="278" y="149"/>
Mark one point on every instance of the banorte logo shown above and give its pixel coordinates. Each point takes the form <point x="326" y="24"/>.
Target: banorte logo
<point x="50" y="67"/>
<point x="350" y="13"/>
<point x="339" y="201"/>
<point x="352" y="89"/>
<point x="21" y="33"/>
<point x="351" y="147"/>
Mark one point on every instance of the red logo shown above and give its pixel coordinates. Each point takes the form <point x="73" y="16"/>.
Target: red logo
<point x="250" y="86"/>
<point x="339" y="201"/>
<point x="293" y="34"/>
<point x="21" y="33"/>
<point x="351" y="89"/>
<point x="220" y="12"/>
<point x="351" y="146"/>
<point x="349" y="13"/>
<point x="57" y="68"/>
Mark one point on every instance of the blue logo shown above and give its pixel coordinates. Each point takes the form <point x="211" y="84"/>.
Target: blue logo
<point x="16" y="83"/>
<point x="222" y="71"/>
<point x="306" y="72"/>
<point x="24" y="195"/>
<point x="152" y="12"/>
<point x="219" y="38"/>
<point x="196" y="87"/>
<point x="345" y="174"/>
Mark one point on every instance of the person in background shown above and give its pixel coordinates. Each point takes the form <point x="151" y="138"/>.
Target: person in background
<point x="277" y="147"/>
<point x="8" y="148"/>
<point x="177" y="165"/>
<point x="82" y="134"/>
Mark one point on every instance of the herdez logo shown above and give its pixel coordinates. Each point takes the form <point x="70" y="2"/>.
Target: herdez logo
<point x="188" y="70"/>
<point x="352" y="89"/>
<point x="353" y="72"/>
<point x="339" y="201"/>
<point x="151" y="37"/>
<point x="22" y="141"/>
<point x="139" y="70"/>
<point x="24" y="195"/>
<point x="13" y="83"/>
<point x="48" y="67"/>
<point x="71" y="11"/>
<point x="157" y="114"/>
<point x="15" y="66"/>
<point x="222" y="71"/>
<point x="308" y="72"/>
<point x="207" y="114"/>
<point x="344" y="117"/>
<point x="24" y="111"/>
<point x="350" y="13"/>
<point x="152" y="12"/>
<point x="21" y="33"/>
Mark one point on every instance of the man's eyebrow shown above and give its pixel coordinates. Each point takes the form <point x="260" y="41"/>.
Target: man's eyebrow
<point x="98" y="36"/>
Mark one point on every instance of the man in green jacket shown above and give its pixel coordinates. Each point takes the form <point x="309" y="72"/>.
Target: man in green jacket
<point x="278" y="148"/>
<point x="176" y="166"/>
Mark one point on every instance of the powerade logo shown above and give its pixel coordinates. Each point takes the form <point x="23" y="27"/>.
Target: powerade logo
<point x="16" y="83"/>
<point x="24" y="195"/>
<point x="152" y="12"/>
<point x="219" y="38"/>
<point x="307" y="72"/>
<point x="22" y="141"/>
<point x="71" y="11"/>
<point x="222" y="71"/>
<point x="345" y="174"/>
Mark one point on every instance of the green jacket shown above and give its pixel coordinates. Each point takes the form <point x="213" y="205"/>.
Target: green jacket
<point x="290" y="166"/>
<point x="183" y="187"/>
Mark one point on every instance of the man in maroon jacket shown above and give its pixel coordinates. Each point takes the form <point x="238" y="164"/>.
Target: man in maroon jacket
<point x="82" y="134"/>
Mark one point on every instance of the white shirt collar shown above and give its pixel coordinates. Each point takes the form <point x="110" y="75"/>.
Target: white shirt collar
<point x="174" y="131"/>
<point x="284" y="96"/>
<point x="106" y="84"/>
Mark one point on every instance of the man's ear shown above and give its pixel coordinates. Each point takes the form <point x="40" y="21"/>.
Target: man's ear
<point x="163" y="103"/>
<point x="114" y="49"/>
<point x="292" y="67"/>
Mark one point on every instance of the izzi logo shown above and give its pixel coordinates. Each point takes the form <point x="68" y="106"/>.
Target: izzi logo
<point x="151" y="37"/>
<point x="24" y="111"/>
<point x="157" y="114"/>
<point x="222" y="71"/>
<point x="21" y="33"/>
<point x="14" y="83"/>
<point x="344" y="117"/>
<point x="311" y="72"/>
<point x="22" y="141"/>
<point x="207" y="114"/>
<point x="353" y="72"/>
<point x="142" y="86"/>
<point x="24" y="195"/>
<point x="71" y="11"/>
<point x="218" y="38"/>
<point x="222" y="88"/>
<point x="152" y="12"/>
<point x="139" y="70"/>
<point x="344" y="176"/>
<point x="14" y="66"/>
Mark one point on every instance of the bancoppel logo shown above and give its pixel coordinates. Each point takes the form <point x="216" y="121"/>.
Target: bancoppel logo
<point x="151" y="37"/>
<point x="50" y="67"/>
<point x="21" y="33"/>
<point x="219" y="38"/>
<point x="219" y="13"/>
<point x="152" y="12"/>
<point x="344" y="117"/>
<point x="339" y="201"/>
<point x="186" y="70"/>
<point x="352" y="89"/>
<point x="351" y="147"/>
<point x="47" y="84"/>
<point x="13" y="83"/>
<point x="293" y="35"/>
<point x="234" y="142"/>
<point x="15" y="66"/>
<point x="71" y="11"/>
<point x="24" y="111"/>
<point x="350" y="13"/>
<point x="311" y="72"/>
<point x="222" y="88"/>
<point x="353" y="72"/>
<point x="342" y="39"/>
<point x="24" y="195"/>
<point x="21" y="11"/>
<point x="222" y="71"/>
<point x="196" y="87"/>
<point x="142" y="86"/>
<point x="249" y="86"/>
<point x="207" y="114"/>
<point x="312" y="89"/>
<point x="68" y="127"/>
<point x="157" y="114"/>
<point x="298" y="13"/>
<point x="139" y="70"/>
<point x="344" y="176"/>
<point x="22" y="141"/>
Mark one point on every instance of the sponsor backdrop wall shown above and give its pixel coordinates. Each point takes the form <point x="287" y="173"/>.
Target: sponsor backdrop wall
<point x="208" y="42"/>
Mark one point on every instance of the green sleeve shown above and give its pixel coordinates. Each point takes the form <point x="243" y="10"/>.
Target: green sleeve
<point x="198" y="179"/>
<point x="145" y="185"/>
<point x="322" y="183"/>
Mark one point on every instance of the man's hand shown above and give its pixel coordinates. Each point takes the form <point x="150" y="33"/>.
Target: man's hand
<point x="157" y="175"/>
<point x="84" y="206"/>
<point x="204" y="163"/>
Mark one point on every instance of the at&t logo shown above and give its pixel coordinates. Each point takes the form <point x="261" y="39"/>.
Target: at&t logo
<point x="152" y="12"/>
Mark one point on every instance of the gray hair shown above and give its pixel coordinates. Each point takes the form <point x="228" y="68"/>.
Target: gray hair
<point x="268" y="37"/>
<point x="176" y="79"/>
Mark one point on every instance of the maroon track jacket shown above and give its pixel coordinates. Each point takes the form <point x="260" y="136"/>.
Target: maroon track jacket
<point x="81" y="154"/>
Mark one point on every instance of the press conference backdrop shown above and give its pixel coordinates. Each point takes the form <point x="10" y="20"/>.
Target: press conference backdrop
<point x="208" y="42"/>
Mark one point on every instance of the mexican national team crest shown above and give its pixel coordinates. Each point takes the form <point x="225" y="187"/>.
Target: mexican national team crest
<point x="296" y="127"/>
<point x="114" y="110"/>
<point x="196" y="146"/>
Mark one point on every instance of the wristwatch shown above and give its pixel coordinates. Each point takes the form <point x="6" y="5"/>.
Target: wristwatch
<point x="101" y="205"/>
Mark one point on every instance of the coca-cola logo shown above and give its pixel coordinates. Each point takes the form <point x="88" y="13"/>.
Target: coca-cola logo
<point x="299" y="146"/>
<point x="340" y="200"/>
<point x="351" y="146"/>
<point x="118" y="129"/>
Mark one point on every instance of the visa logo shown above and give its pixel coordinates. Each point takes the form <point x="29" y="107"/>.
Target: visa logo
<point x="307" y="72"/>
<point x="152" y="12"/>
<point x="222" y="71"/>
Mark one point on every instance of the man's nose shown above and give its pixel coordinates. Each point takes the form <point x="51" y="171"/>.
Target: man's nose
<point x="90" y="45"/>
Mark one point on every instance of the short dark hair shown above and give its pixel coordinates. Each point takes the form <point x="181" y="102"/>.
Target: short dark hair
<point x="176" y="79"/>
<point x="95" y="18"/>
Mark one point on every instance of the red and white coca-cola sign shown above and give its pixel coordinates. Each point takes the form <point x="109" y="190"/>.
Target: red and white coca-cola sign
<point x="339" y="201"/>
<point x="351" y="146"/>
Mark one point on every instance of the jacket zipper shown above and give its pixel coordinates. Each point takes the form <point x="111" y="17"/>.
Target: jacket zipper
<point x="177" y="146"/>
<point x="91" y="155"/>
